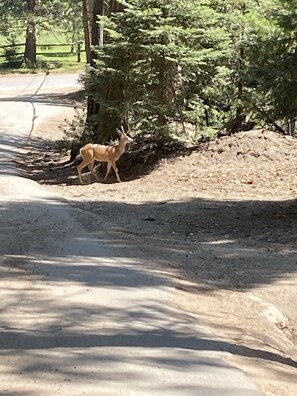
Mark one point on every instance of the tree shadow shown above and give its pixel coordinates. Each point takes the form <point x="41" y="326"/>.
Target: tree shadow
<point x="54" y="264"/>
<point x="69" y="99"/>
<point x="238" y="245"/>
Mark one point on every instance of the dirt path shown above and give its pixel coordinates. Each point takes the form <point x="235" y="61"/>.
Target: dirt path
<point x="223" y="220"/>
<point x="84" y="310"/>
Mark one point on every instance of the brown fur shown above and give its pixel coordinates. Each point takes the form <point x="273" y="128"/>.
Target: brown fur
<point x="99" y="152"/>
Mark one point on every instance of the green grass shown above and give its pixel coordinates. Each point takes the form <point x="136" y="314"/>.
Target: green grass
<point x="56" y="58"/>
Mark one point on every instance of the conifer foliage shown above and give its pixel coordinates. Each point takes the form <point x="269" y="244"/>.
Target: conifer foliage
<point x="276" y="71"/>
<point x="211" y="64"/>
<point x="162" y="63"/>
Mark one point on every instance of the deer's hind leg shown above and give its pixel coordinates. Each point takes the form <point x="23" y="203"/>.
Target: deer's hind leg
<point x="92" y="170"/>
<point x="87" y="160"/>
<point x="79" y="168"/>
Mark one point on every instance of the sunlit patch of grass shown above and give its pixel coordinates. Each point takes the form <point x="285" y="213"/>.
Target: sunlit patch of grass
<point x="54" y="52"/>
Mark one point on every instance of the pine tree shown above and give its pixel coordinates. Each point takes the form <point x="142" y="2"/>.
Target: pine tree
<point x="159" y="59"/>
<point x="209" y="63"/>
<point x="277" y="70"/>
<point x="248" y="24"/>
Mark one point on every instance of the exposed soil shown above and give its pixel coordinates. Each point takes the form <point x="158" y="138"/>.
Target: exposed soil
<point x="223" y="218"/>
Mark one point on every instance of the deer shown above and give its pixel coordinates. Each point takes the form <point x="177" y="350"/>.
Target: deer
<point x="98" y="152"/>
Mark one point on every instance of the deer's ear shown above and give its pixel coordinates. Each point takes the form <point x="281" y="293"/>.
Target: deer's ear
<point x="119" y="132"/>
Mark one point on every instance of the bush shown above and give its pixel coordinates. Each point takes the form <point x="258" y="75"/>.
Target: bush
<point x="13" y="59"/>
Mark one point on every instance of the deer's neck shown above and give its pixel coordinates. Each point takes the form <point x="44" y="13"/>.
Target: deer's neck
<point x="121" y="146"/>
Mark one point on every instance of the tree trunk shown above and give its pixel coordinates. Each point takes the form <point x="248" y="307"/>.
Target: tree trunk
<point x="96" y="37"/>
<point x="97" y="31"/>
<point x="30" y="46"/>
<point x="86" y="23"/>
<point x="114" y="6"/>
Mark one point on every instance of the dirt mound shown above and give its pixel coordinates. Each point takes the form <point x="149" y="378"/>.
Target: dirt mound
<point x="256" y="163"/>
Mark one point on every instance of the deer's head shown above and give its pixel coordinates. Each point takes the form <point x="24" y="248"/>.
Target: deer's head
<point x="124" y="138"/>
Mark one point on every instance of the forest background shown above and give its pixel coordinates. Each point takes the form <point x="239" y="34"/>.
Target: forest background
<point x="192" y="68"/>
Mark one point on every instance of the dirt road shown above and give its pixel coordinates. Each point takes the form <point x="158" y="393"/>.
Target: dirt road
<point x="221" y="221"/>
<point x="79" y="316"/>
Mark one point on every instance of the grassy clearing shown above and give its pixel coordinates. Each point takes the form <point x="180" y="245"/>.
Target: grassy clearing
<point x="54" y="52"/>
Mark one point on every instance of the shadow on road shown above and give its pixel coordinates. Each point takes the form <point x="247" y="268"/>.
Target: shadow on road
<point x="250" y="243"/>
<point x="51" y="99"/>
<point x="160" y="251"/>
